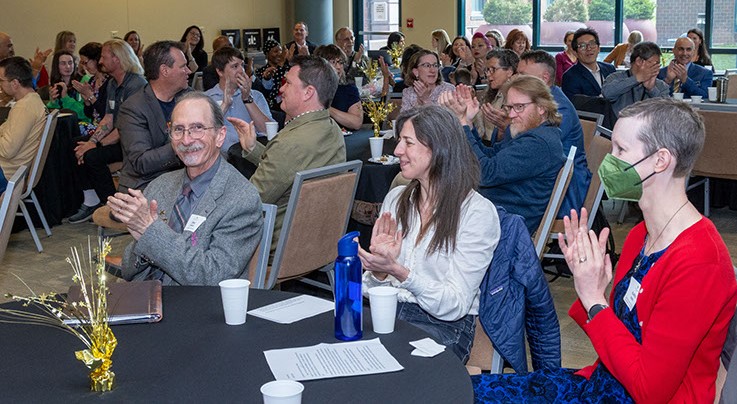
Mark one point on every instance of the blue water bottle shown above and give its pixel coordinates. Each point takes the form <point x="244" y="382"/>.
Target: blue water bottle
<point x="348" y="297"/>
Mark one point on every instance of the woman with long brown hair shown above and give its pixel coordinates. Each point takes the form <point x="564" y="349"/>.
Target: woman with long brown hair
<point x="436" y="236"/>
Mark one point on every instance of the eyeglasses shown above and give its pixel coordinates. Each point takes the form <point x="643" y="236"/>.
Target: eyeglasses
<point x="518" y="108"/>
<point x="336" y="62"/>
<point x="588" y="45"/>
<point x="195" y="131"/>
<point x="429" y="65"/>
<point x="492" y="70"/>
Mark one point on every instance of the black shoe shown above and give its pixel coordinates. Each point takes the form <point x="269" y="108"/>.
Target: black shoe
<point x="83" y="214"/>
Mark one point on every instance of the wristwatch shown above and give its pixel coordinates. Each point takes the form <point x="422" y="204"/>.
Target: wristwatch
<point x="248" y="100"/>
<point x="595" y="309"/>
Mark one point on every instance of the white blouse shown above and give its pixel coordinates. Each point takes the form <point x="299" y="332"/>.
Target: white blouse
<point x="444" y="284"/>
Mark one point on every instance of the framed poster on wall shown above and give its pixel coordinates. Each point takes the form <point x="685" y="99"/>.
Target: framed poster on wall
<point x="234" y="36"/>
<point x="271" y="33"/>
<point x="251" y="39"/>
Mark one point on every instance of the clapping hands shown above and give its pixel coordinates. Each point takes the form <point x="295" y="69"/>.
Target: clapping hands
<point x="386" y="243"/>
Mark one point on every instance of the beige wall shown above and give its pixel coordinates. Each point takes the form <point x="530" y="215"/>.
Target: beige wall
<point x="429" y="15"/>
<point x="34" y="23"/>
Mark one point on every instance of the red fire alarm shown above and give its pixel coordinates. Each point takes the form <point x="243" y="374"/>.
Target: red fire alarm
<point x="410" y="22"/>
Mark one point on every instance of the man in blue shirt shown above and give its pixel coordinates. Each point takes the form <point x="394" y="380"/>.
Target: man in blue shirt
<point x="236" y="97"/>
<point x="682" y="75"/>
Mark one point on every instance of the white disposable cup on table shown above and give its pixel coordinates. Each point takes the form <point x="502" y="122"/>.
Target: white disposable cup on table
<point x="271" y="129"/>
<point x="234" y="293"/>
<point x="282" y="392"/>
<point x="677" y="96"/>
<point x="712" y="94"/>
<point x="377" y="146"/>
<point x="359" y="82"/>
<point x="696" y="99"/>
<point x="383" y="302"/>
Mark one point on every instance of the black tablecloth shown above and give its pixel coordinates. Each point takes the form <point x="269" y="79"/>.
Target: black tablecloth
<point x="375" y="178"/>
<point x="192" y="356"/>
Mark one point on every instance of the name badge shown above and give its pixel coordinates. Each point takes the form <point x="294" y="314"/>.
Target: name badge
<point x="194" y="222"/>
<point x="111" y="103"/>
<point x="630" y="297"/>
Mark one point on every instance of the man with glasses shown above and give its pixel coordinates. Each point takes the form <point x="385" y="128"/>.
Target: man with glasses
<point x="684" y="76"/>
<point x="357" y="59"/>
<point x="20" y="134"/>
<point x="587" y="76"/>
<point x="237" y="99"/>
<point x="198" y="225"/>
<point x="144" y="116"/>
<point x="518" y="174"/>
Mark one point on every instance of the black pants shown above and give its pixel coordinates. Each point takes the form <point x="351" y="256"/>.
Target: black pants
<point x="94" y="172"/>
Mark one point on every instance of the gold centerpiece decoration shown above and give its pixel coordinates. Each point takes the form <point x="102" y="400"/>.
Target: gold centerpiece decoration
<point x="396" y="52"/>
<point x="377" y="112"/>
<point x="52" y="310"/>
<point x="370" y="70"/>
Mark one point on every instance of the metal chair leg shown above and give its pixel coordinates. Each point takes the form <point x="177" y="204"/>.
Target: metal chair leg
<point x="40" y="213"/>
<point x="31" y="228"/>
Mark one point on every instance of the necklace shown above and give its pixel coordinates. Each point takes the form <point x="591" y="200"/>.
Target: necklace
<point x="303" y="114"/>
<point x="647" y="252"/>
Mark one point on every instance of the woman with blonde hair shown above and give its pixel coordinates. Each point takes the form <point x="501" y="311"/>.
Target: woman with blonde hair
<point x="440" y="44"/>
<point x="620" y="55"/>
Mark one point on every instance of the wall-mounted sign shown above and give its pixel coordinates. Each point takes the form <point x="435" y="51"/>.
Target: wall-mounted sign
<point x="271" y="34"/>
<point x="380" y="11"/>
<point x="252" y="39"/>
<point x="234" y="36"/>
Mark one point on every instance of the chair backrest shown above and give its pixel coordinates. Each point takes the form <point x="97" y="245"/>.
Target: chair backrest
<point x="720" y="146"/>
<point x="598" y="148"/>
<point x="732" y="86"/>
<point x="259" y="261"/>
<point x="556" y="199"/>
<point x="590" y="122"/>
<point x="39" y="161"/>
<point x="196" y="82"/>
<point x="317" y="216"/>
<point x="9" y="205"/>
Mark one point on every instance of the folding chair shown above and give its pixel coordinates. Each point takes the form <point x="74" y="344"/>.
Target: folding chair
<point x="598" y="148"/>
<point x="556" y="199"/>
<point x="483" y="356"/>
<point x="317" y="216"/>
<point x="590" y="122"/>
<point x="9" y="205"/>
<point x="196" y="82"/>
<point x="260" y="259"/>
<point x="37" y="168"/>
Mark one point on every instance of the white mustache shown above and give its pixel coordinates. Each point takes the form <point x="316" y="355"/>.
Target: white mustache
<point x="189" y="149"/>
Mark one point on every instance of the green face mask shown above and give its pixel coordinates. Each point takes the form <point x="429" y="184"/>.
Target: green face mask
<point x="620" y="179"/>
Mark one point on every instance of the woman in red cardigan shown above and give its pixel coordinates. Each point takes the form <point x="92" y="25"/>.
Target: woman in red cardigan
<point x="659" y="334"/>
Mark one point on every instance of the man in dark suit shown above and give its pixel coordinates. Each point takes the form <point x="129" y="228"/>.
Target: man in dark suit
<point x="143" y="117"/>
<point x="195" y="226"/>
<point x="682" y="75"/>
<point x="587" y="75"/>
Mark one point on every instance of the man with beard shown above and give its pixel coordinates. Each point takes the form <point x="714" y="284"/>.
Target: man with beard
<point x="518" y="174"/>
<point x="118" y="60"/>
<point x="587" y="76"/>
<point x="144" y="116"/>
<point x="682" y="75"/>
<point x="198" y="225"/>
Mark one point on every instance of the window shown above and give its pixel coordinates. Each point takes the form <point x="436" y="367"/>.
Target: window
<point x="561" y="16"/>
<point x="503" y="15"/>
<point x="380" y="18"/>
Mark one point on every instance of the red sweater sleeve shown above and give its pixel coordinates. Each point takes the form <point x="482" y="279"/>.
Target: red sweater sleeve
<point x="682" y="330"/>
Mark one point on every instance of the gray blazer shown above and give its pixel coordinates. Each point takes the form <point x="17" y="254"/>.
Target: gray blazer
<point x="145" y="139"/>
<point x="221" y="246"/>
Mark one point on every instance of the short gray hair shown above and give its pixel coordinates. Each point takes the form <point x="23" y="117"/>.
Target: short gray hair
<point x="507" y="58"/>
<point x="218" y="119"/>
<point x="672" y="125"/>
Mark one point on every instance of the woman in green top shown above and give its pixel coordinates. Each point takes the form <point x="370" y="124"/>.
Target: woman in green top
<point x="62" y="94"/>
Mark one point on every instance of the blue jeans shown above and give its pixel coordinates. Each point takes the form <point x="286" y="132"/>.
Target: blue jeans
<point x="456" y="335"/>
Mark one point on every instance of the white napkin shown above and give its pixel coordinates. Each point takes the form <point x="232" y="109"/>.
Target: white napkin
<point x="427" y="348"/>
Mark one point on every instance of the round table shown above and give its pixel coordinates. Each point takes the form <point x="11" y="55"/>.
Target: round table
<point x="193" y="356"/>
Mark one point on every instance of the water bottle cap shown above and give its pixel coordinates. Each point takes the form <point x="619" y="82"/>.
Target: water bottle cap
<point x="347" y="247"/>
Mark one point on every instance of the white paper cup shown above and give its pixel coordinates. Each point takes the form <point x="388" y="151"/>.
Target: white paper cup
<point x="235" y="300"/>
<point x="377" y="146"/>
<point x="271" y="129"/>
<point x="359" y="82"/>
<point x="677" y="96"/>
<point x="282" y="392"/>
<point x="696" y="99"/>
<point x="383" y="301"/>
<point x="712" y="93"/>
